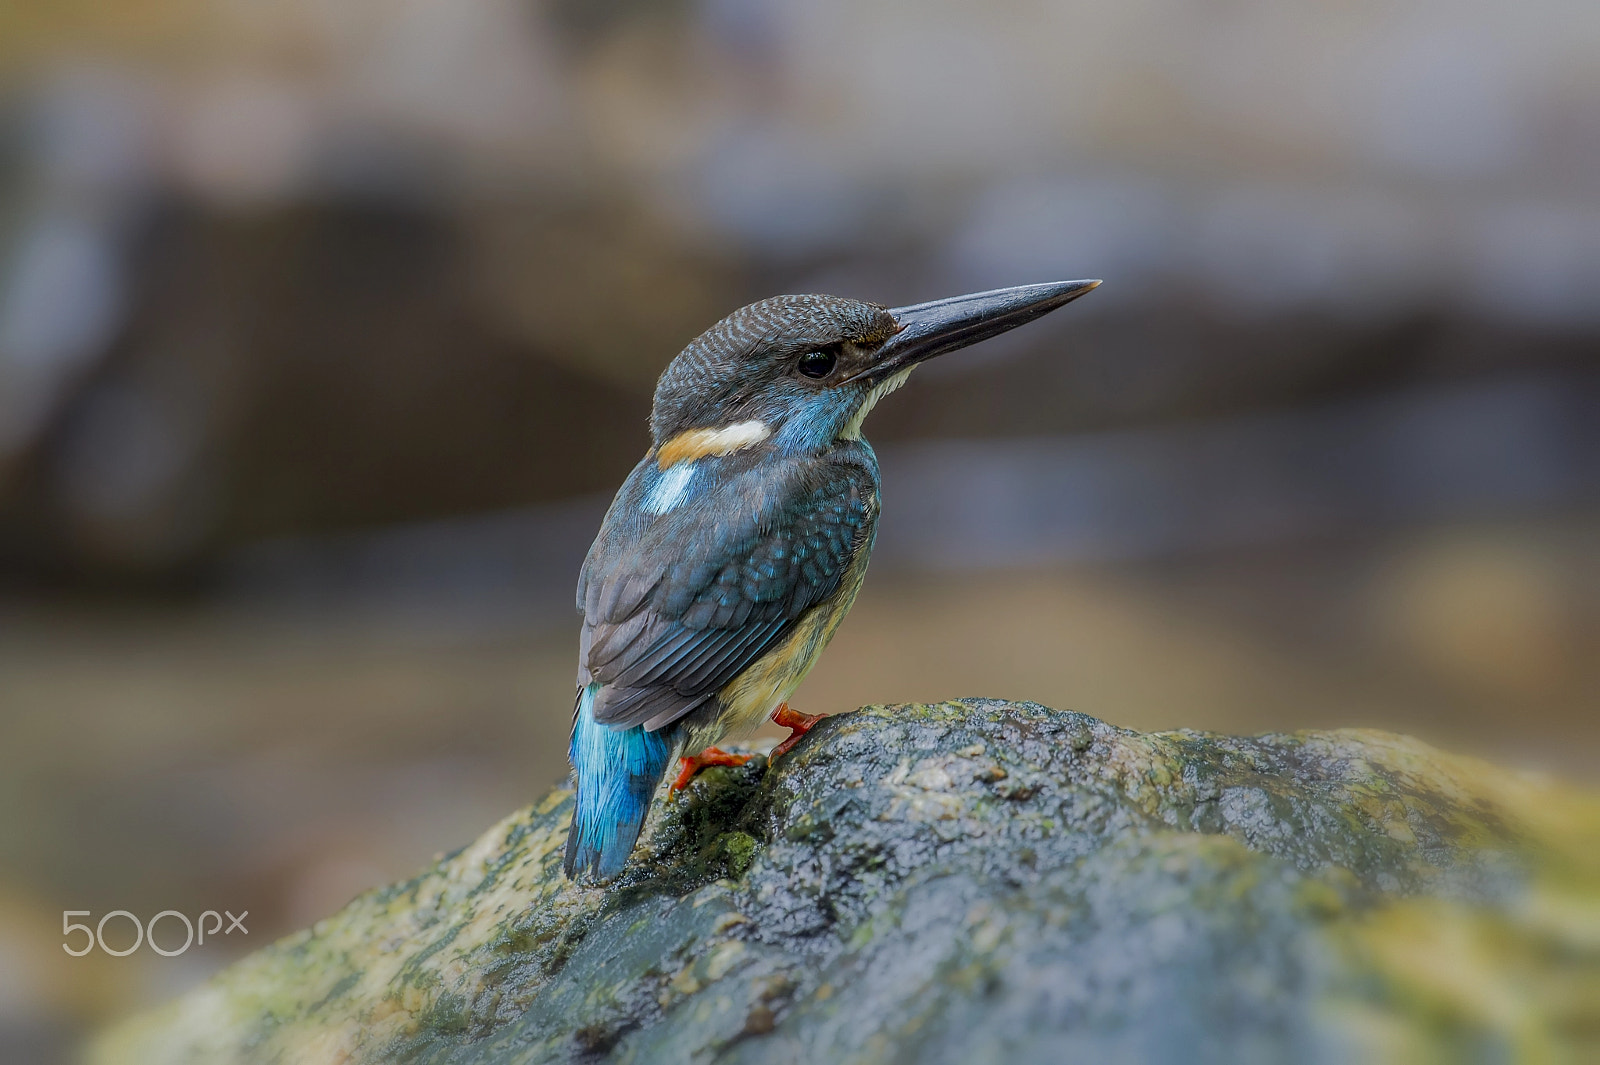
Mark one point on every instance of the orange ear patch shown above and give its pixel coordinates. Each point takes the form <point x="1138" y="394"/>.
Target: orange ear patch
<point x="698" y="443"/>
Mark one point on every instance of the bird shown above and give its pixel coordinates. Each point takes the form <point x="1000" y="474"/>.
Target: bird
<point x="734" y="549"/>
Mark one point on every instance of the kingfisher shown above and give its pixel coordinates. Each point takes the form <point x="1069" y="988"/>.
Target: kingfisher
<point x="737" y="545"/>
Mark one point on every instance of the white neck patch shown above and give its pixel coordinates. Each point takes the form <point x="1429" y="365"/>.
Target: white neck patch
<point x="699" y="443"/>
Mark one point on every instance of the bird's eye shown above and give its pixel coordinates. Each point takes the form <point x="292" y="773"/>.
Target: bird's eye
<point x="817" y="363"/>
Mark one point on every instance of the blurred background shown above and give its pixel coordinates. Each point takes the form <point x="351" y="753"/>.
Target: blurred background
<point x="327" y="329"/>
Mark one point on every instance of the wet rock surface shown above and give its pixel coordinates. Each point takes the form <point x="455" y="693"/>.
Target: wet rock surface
<point x="968" y="882"/>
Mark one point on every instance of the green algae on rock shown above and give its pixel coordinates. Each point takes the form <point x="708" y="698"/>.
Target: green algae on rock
<point x="969" y="882"/>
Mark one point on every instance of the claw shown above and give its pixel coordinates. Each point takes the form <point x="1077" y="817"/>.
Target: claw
<point x="689" y="765"/>
<point x="799" y="723"/>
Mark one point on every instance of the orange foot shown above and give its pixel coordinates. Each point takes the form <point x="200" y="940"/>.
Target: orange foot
<point x="795" y="720"/>
<point x="689" y="766"/>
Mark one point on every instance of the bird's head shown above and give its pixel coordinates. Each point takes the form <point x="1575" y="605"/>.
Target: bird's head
<point x="803" y="371"/>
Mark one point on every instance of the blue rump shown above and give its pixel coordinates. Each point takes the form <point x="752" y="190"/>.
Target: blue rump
<point x="617" y="772"/>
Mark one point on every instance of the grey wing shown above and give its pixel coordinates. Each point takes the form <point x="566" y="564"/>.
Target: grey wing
<point x="675" y="616"/>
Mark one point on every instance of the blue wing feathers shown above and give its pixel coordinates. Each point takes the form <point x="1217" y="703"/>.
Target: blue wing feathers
<point x="728" y="580"/>
<point x="677" y="606"/>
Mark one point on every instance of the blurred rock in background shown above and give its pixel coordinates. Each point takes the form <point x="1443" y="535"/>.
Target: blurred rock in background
<point x="327" y="329"/>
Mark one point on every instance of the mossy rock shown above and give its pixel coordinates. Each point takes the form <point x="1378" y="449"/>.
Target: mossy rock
<point x="969" y="882"/>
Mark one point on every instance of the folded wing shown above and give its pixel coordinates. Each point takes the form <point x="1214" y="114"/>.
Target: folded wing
<point x="677" y="606"/>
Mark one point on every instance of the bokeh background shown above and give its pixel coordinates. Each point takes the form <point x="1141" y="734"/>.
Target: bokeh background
<point x="328" y="326"/>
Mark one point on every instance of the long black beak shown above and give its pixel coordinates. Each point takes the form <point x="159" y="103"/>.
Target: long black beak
<point x="929" y="329"/>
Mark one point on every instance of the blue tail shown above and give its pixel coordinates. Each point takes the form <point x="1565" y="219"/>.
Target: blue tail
<point x="617" y="772"/>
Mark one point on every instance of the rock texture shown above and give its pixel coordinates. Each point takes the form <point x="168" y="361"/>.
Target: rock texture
<point x="970" y="882"/>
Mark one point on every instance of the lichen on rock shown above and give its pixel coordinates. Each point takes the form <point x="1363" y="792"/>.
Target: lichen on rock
<point x="969" y="882"/>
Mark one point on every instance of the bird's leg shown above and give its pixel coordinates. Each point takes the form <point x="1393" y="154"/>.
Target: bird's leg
<point x="691" y="764"/>
<point x="794" y="720"/>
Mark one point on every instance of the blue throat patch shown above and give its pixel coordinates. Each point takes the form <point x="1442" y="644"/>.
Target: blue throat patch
<point x="617" y="772"/>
